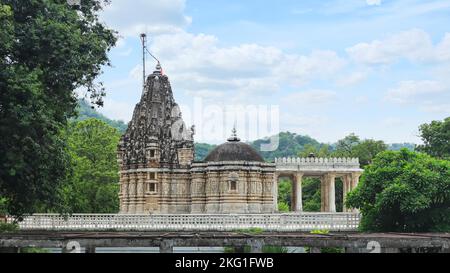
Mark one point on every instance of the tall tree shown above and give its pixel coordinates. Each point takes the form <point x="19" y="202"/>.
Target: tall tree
<point x="48" y="49"/>
<point x="93" y="185"/>
<point x="367" y="150"/>
<point x="436" y="138"/>
<point x="344" y="147"/>
<point x="404" y="191"/>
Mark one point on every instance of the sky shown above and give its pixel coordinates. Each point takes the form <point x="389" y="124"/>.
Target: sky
<point x="376" y="68"/>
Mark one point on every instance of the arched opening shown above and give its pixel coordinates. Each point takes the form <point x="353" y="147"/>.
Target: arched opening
<point x="285" y="192"/>
<point x="311" y="194"/>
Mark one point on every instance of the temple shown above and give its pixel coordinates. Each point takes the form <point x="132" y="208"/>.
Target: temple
<point x="158" y="174"/>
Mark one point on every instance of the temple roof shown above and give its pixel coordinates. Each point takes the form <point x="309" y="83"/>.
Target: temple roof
<point x="234" y="150"/>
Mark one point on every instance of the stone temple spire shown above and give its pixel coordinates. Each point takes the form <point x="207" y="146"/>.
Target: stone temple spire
<point x="156" y="127"/>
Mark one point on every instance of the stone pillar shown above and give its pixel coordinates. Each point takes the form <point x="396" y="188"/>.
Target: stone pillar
<point x="132" y="194"/>
<point x="275" y="192"/>
<point x="124" y="193"/>
<point x="346" y="184"/>
<point x="140" y="198"/>
<point x="332" y="193"/>
<point x="298" y="191"/>
<point x="354" y="182"/>
<point x="324" y="196"/>
<point x="166" y="246"/>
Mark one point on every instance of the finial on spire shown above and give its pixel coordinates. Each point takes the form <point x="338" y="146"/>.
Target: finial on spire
<point x="234" y="137"/>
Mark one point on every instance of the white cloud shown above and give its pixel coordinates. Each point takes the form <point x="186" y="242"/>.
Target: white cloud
<point x="310" y="98"/>
<point x="352" y="79"/>
<point x="392" y="122"/>
<point x="131" y="18"/>
<point x="413" y="91"/>
<point x="198" y="62"/>
<point x="436" y="108"/>
<point x="373" y="2"/>
<point x="117" y="110"/>
<point x="415" y="45"/>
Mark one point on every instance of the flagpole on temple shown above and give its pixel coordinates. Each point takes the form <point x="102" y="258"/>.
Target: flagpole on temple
<point x="144" y="48"/>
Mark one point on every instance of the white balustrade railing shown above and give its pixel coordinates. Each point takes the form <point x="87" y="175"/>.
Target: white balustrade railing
<point x="193" y="222"/>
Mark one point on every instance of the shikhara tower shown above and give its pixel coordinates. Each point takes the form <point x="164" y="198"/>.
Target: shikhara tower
<point x="155" y="152"/>
<point x="158" y="175"/>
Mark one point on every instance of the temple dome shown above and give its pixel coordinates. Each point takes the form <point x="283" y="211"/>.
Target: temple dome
<point x="234" y="150"/>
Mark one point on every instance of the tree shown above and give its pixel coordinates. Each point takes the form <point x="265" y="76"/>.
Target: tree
<point x="94" y="184"/>
<point x="404" y="191"/>
<point x="47" y="50"/>
<point x="367" y="150"/>
<point x="436" y="138"/>
<point x="318" y="151"/>
<point x="344" y="147"/>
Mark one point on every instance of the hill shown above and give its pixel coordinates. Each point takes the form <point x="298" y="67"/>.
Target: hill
<point x="85" y="111"/>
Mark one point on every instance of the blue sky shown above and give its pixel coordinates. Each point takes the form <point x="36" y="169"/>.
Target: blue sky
<point x="377" y="68"/>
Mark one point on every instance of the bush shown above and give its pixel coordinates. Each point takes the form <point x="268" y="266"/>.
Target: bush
<point x="8" y="227"/>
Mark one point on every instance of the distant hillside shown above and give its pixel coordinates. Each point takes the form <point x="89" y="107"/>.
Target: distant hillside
<point x="398" y="146"/>
<point x="202" y="150"/>
<point x="85" y="111"/>
<point x="289" y="145"/>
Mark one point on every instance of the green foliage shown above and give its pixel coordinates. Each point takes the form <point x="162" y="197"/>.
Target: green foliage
<point x="399" y="146"/>
<point x="365" y="150"/>
<point x="311" y="194"/>
<point x="436" y="138"/>
<point x="87" y="111"/>
<point x="283" y="207"/>
<point x="344" y="147"/>
<point x="34" y="250"/>
<point x="8" y="227"/>
<point x="47" y="50"/>
<point x="93" y="186"/>
<point x="3" y="206"/>
<point x="250" y="230"/>
<point x="404" y="191"/>
<point x="285" y="192"/>
<point x="318" y="151"/>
